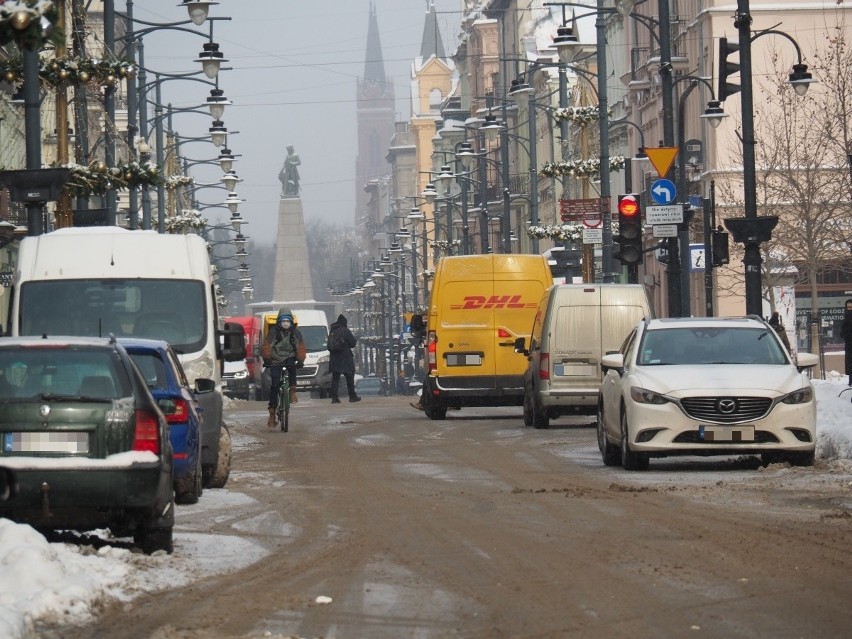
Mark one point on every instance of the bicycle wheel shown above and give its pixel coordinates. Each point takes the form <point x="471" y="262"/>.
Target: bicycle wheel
<point x="279" y="410"/>
<point x="284" y="406"/>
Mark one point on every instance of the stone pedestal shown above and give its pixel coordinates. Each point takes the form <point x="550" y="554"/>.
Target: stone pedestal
<point x="292" y="267"/>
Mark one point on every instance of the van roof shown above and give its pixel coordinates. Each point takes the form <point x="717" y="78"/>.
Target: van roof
<point x="472" y="266"/>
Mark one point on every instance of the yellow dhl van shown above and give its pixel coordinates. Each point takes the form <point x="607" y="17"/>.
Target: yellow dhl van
<point x="478" y="306"/>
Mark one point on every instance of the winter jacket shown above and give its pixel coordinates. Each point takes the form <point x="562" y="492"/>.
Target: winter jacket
<point x="280" y="345"/>
<point x="343" y="361"/>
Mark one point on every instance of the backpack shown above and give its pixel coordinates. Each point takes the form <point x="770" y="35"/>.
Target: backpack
<point x="336" y="340"/>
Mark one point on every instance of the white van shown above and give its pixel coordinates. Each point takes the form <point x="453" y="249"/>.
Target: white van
<point x="101" y="280"/>
<point x="574" y="327"/>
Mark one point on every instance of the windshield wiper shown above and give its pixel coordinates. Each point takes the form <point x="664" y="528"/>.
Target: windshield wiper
<point x="71" y="398"/>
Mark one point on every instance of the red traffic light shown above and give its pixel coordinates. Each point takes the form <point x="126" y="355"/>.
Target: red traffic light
<point x="628" y="206"/>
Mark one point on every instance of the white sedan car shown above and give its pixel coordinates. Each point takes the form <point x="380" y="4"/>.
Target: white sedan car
<point x="705" y="386"/>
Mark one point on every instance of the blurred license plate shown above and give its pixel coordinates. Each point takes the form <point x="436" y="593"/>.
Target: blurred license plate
<point x="726" y="433"/>
<point x="302" y="382"/>
<point x="571" y="370"/>
<point x="46" y="442"/>
<point x="464" y="359"/>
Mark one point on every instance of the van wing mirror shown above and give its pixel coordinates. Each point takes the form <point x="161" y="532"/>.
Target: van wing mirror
<point x="520" y="346"/>
<point x="234" y="337"/>
<point x="204" y="385"/>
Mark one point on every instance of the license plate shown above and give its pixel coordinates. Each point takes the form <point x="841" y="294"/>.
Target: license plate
<point x="464" y="359"/>
<point x="574" y="370"/>
<point x="303" y="382"/>
<point x="726" y="433"/>
<point x="46" y="442"/>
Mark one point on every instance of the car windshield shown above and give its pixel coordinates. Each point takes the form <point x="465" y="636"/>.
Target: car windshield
<point x="316" y="338"/>
<point x="170" y="310"/>
<point x="710" y="345"/>
<point x="40" y="372"/>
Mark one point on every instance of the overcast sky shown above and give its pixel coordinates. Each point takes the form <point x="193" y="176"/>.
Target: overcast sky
<point x="295" y="66"/>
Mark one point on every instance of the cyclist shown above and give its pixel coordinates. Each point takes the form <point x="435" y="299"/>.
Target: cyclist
<point x="283" y="347"/>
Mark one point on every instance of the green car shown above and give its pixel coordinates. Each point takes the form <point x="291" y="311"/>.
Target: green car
<point x="86" y="441"/>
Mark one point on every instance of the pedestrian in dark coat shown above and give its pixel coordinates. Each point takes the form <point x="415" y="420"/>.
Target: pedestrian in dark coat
<point x="341" y="359"/>
<point x="846" y="334"/>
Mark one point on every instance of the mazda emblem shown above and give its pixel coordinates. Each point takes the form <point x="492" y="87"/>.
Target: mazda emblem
<point x="726" y="406"/>
<point x="44" y="410"/>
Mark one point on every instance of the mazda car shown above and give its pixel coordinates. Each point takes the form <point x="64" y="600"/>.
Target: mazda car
<point x="705" y="386"/>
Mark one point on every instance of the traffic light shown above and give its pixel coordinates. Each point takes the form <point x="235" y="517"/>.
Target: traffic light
<point x="630" y="248"/>
<point x="719" y="244"/>
<point x="727" y="69"/>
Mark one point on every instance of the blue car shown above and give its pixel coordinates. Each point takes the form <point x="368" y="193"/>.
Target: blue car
<point x="167" y="382"/>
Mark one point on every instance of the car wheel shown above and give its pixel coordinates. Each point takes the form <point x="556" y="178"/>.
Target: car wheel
<point x="156" y="534"/>
<point x="609" y="452"/>
<point x="629" y="459"/>
<point x="188" y="490"/>
<point x="528" y="410"/>
<point x="220" y="474"/>
<point x="540" y="418"/>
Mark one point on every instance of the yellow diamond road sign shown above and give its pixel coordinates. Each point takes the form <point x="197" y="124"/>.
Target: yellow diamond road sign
<point x="662" y="158"/>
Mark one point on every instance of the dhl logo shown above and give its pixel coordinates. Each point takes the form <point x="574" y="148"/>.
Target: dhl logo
<point x="475" y="302"/>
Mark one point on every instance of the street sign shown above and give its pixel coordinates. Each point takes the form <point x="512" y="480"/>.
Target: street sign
<point x="662" y="158"/>
<point x="663" y="191"/>
<point x="664" y="230"/>
<point x="592" y="236"/>
<point x="671" y="214"/>
<point x="582" y="210"/>
<point x="696" y="257"/>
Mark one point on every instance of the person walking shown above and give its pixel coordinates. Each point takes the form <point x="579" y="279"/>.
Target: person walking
<point x="282" y="348"/>
<point x="341" y="341"/>
<point x="846" y="334"/>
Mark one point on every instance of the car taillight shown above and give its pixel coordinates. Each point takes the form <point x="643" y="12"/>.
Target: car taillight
<point x="181" y="413"/>
<point x="432" y="351"/>
<point x="544" y="366"/>
<point x="146" y="437"/>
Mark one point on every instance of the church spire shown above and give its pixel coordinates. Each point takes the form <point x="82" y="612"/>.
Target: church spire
<point x="374" y="66"/>
<point x="432" y="44"/>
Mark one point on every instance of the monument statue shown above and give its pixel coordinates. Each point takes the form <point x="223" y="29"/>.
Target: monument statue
<point x="289" y="174"/>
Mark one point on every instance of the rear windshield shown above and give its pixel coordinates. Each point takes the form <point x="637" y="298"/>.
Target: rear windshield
<point x="33" y="372"/>
<point x="153" y="369"/>
<point x="710" y="346"/>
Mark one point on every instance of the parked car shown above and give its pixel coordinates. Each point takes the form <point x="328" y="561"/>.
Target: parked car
<point x="705" y="386"/>
<point x="370" y="386"/>
<point x="86" y="440"/>
<point x="167" y="382"/>
<point x="237" y="381"/>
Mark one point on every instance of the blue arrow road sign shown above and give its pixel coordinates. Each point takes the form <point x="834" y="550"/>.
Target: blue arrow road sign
<point x="663" y="191"/>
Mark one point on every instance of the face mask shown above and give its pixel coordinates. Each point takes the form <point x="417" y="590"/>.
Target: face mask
<point x="285" y="323"/>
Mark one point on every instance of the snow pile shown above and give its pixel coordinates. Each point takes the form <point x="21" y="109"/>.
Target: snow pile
<point x="834" y="418"/>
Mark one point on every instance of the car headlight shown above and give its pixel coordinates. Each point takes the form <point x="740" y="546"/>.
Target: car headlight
<point x="801" y="396"/>
<point x="323" y="360"/>
<point x="645" y="396"/>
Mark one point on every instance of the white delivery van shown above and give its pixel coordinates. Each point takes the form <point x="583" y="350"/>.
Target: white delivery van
<point x="574" y="327"/>
<point x="101" y="280"/>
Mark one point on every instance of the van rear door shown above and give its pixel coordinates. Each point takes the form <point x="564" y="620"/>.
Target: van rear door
<point x="575" y="344"/>
<point x="467" y="320"/>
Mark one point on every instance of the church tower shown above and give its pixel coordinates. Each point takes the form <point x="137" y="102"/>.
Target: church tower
<point x="375" y="118"/>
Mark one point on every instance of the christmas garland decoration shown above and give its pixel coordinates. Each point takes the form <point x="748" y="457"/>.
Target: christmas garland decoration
<point x="55" y="71"/>
<point x="558" y="232"/>
<point x="443" y="244"/>
<point x="97" y="179"/>
<point x="29" y="23"/>
<point x="582" y="168"/>
<point x="175" y="181"/>
<point x="187" y="221"/>
<point x="581" y="116"/>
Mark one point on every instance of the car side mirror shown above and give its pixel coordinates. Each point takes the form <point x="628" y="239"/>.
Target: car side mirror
<point x="234" y="338"/>
<point x="614" y="361"/>
<point x="204" y="385"/>
<point x="167" y="405"/>
<point x="520" y="346"/>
